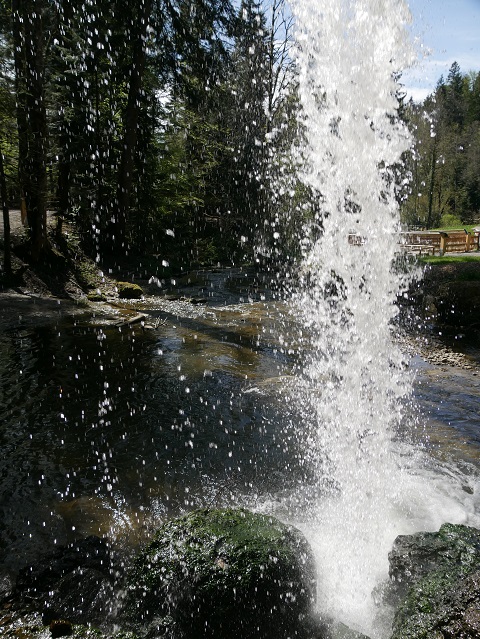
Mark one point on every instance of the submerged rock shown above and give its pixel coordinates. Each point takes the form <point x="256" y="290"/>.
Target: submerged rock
<point x="338" y="630"/>
<point x="223" y="573"/>
<point x="436" y="584"/>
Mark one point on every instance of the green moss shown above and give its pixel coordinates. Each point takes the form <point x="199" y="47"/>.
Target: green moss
<point x="217" y="572"/>
<point x="435" y="599"/>
<point x="129" y="291"/>
<point x="95" y="296"/>
<point x="426" y="606"/>
<point x="86" y="272"/>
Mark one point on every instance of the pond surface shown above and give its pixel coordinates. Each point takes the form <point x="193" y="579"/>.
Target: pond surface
<point x="108" y="428"/>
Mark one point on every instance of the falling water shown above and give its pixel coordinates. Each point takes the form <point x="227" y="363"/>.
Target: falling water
<point x="355" y="384"/>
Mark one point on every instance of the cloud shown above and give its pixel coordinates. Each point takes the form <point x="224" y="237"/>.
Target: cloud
<point x="417" y="94"/>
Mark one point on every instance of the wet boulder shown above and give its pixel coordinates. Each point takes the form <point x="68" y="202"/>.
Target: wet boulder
<point x="73" y="583"/>
<point x="223" y="573"/>
<point x="451" y="292"/>
<point x="436" y="584"/>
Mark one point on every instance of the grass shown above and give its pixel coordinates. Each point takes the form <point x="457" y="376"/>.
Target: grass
<point x="449" y="259"/>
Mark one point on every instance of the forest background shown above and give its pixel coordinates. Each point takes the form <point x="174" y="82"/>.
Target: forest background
<point x="171" y="129"/>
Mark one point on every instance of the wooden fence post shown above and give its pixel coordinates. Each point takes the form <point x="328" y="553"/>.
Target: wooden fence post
<point x="468" y="242"/>
<point x="443" y="243"/>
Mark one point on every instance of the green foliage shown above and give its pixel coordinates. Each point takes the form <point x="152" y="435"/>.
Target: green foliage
<point x="450" y="221"/>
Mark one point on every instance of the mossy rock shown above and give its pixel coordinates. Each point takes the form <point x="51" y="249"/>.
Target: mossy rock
<point x="129" y="291"/>
<point x="224" y="573"/>
<point x="95" y="296"/>
<point x="437" y="576"/>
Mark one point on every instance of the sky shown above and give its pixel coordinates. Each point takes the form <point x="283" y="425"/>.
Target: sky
<point x="444" y="31"/>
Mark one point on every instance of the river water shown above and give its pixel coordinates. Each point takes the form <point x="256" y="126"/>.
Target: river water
<point x="110" y="429"/>
<point x="107" y="427"/>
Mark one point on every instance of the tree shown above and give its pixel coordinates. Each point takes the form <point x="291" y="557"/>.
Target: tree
<point x="139" y="39"/>
<point x="473" y="113"/>
<point x="150" y="111"/>
<point x="7" y="261"/>
<point x="200" y="100"/>
<point x="7" y="135"/>
<point x="280" y="66"/>
<point x="443" y="164"/>
<point x="28" y="17"/>
<point x="455" y="106"/>
<point x="283" y="189"/>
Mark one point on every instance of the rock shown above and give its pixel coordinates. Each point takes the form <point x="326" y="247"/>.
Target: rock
<point x="320" y="626"/>
<point x="60" y="628"/>
<point x="84" y="596"/>
<point x="340" y="631"/>
<point x="224" y="573"/>
<point x="95" y="296"/>
<point x="451" y="292"/>
<point x="415" y="556"/>
<point x="28" y="625"/>
<point x="436" y="584"/>
<point x="6" y="587"/>
<point x="129" y="291"/>
<point x="73" y="583"/>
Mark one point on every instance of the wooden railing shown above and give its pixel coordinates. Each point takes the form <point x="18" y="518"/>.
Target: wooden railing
<point x="431" y="242"/>
<point x="439" y="242"/>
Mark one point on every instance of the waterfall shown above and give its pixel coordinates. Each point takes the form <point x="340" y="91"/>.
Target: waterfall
<point x="353" y="385"/>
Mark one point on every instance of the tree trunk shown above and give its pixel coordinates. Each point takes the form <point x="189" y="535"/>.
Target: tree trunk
<point x="431" y="187"/>
<point x="63" y="187"/>
<point x="7" y="260"/>
<point x="20" y="91"/>
<point x="130" y="128"/>
<point x="29" y="69"/>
